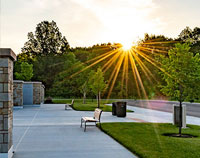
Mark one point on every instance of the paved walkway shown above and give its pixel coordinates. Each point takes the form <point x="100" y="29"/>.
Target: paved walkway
<point x="148" y="115"/>
<point x="51" y="132"/>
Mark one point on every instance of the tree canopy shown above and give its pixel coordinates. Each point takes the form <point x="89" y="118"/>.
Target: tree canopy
<point x="191" y="36"/>
<point x="181" y="73"/>
<point x="25" y="72"/>
<point x="46" y="40"/>
<point x="97" y="83"/>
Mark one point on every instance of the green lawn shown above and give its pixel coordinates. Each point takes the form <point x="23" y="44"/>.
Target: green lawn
<point x="147" y="140"/>
<point x="89" y="106"/>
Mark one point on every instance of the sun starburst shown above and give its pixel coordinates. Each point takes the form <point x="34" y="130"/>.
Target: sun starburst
<point x="123" y="58"/>
<point x="127" y="46"/>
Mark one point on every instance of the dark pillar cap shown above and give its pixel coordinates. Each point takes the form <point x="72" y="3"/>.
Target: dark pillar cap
<point x="7" y="52"/>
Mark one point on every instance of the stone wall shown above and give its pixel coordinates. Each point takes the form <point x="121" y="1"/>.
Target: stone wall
<point x="18" y="92"/>
<point x="7" y="57"/>
<point x="21" y="94"/>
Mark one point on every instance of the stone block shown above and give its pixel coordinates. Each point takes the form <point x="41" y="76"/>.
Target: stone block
<point x="6" y="104"/>
<point x="5" y="138"/>
<point x="4" y="62"/>
<point x="4" y="78"/>
<point x="1" y="87"/>
<point x="6" y="70"/>
<point x="1" y="125"/>
<point x="3" y="148"/>
<point x="6" y="87"/>
<point x="5" y="97"/>
<point x="2" y="132"/>
<point x="1" y="138"/>
<point x="5" y="122"/>
<point x="3" y="111"/>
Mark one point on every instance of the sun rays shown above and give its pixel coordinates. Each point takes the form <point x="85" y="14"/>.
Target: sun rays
<point x="126" y="59"/>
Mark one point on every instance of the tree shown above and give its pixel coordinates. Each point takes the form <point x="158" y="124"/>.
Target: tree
<point x="182" y="75"/>
<point x="192" y="37"/>
<point x="84" y="89"/>
<point x="25" y="72"/>
<point x="47" y="50"/>
<point x="97" y="83"/>
<point x="46" y="40"/>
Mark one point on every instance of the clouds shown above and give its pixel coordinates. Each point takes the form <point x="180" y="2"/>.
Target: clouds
<point x="83" y="22"/>
<point x="124" y="19"/>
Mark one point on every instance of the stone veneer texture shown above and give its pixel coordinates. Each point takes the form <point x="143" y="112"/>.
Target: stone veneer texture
<point x="18" y="93"/>
<point x="37" y="92"/>
<point x="6" y="100"/>
<point x="42" y="93"/>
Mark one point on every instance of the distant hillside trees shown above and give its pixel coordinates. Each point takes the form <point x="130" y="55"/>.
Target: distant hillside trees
<point x="54" y="63"/>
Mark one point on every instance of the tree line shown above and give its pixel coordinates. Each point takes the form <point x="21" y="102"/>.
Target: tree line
<point x="48" y="57"/>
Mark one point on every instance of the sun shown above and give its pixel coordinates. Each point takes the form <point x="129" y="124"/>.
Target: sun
<point x="127" y="46"/>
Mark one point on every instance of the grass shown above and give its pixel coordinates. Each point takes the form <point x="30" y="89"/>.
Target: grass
<point x="89" y="106"/>
<point x="147" y="140"/>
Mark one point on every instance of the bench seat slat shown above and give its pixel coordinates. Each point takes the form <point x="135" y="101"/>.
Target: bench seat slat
<point x="91" y="119"/>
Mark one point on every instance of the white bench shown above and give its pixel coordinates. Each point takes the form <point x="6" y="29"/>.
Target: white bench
<point x="68" y="105"/>
<point x="96" y="118"/>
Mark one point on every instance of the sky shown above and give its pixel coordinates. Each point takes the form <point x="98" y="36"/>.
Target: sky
<point x="88" y="22"/>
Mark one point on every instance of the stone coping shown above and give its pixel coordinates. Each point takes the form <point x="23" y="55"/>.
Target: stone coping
<point x="18" y="81"/>
<point x="7" y="52"/>
<point x="27" y="82"/>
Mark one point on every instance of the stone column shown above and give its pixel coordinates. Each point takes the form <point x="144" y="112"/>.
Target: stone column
<point x="18" y="93"/>
<point x="7" y="56"/>
<point x="36" y="92"/>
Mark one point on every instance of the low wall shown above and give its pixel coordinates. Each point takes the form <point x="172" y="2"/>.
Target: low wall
<point x="33" y="94"/>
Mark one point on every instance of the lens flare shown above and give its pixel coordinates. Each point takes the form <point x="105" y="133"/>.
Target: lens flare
<point x="127" y="46"/>
<point x="128" y="59"/>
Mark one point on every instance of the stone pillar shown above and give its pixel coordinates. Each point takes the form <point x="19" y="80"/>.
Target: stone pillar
<point x="36" y="92"/>
<point x="7" y="56"/>
<point x="42" y="93"/>
<point x="18" y="93"/>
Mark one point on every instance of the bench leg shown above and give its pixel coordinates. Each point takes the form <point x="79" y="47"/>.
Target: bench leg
<point x="85" y="126"/>
<point x="81" y="122"/>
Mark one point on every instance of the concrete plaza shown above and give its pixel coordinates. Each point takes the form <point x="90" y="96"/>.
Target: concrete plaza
<point x="49" y="131"/>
